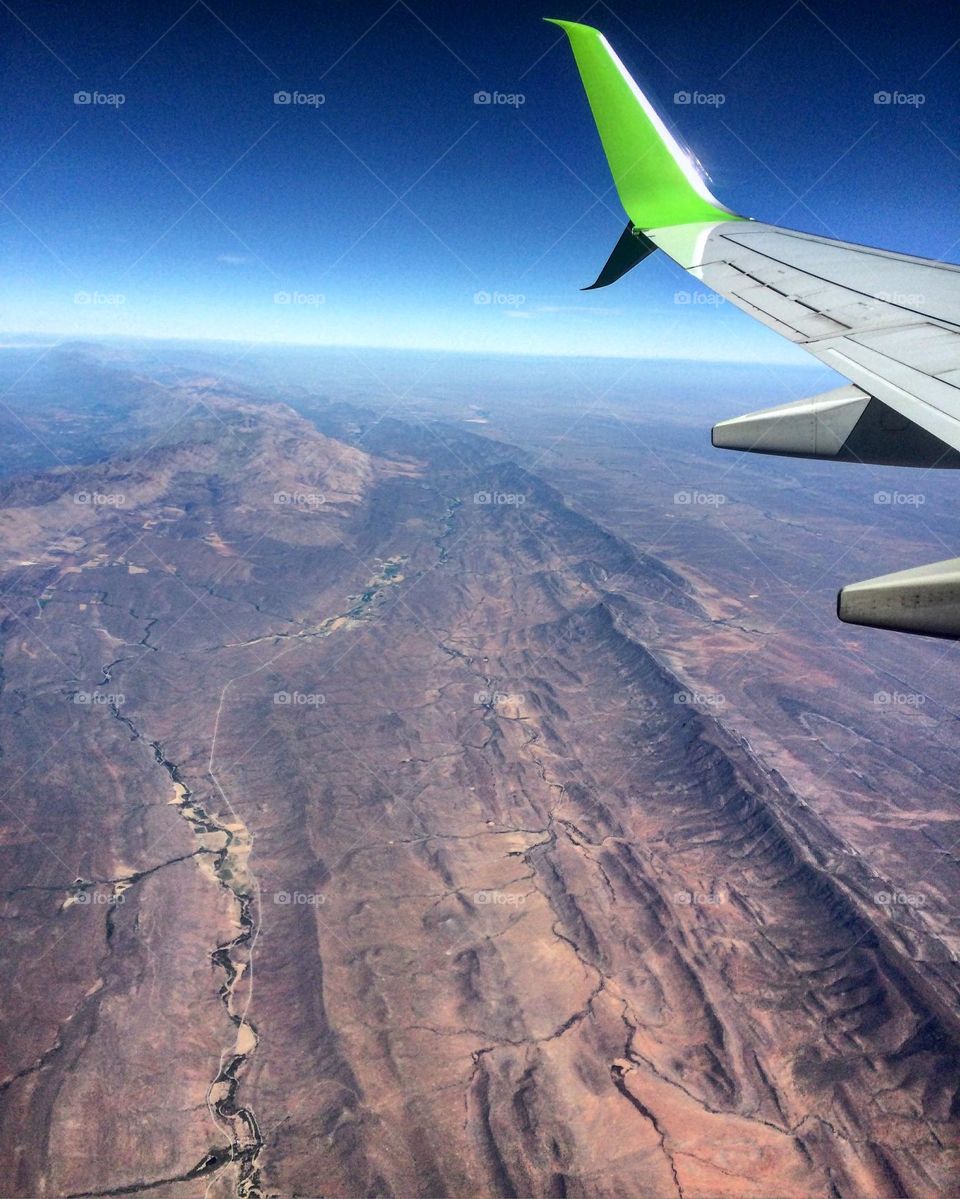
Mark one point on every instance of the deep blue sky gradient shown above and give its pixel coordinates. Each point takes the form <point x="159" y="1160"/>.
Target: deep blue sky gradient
<point x="512" y="201"/>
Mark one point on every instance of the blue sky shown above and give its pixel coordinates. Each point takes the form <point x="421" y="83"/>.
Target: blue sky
<point x="384" y="211"/>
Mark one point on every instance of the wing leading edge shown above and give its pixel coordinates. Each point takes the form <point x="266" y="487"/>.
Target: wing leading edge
<point x="890" y="323"/>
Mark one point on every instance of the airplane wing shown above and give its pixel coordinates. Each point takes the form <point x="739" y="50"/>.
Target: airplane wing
<point x="888" y="322"/>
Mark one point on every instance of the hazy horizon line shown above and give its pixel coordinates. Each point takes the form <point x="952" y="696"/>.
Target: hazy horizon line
<point x="52" y="341"/>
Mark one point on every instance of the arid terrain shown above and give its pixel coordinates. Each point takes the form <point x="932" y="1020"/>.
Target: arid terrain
<point x="408" y="805"/>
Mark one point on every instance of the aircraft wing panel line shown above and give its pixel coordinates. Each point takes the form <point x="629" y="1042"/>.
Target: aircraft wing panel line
<point x="879" y="296"/>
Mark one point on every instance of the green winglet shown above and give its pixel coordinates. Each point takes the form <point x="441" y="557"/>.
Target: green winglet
<point x="657" y="182"/>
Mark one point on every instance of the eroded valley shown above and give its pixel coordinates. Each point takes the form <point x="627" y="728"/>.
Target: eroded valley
<point x="363" y="836"/>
